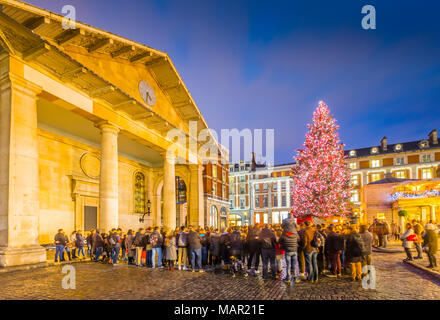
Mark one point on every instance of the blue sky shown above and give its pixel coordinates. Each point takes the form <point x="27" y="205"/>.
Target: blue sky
<point x="266" y="64"/>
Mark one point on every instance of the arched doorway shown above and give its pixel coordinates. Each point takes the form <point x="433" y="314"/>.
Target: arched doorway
<point x="213" y="217"/>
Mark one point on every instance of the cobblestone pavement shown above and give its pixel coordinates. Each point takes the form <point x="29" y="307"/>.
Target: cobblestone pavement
<point x="395" y="280"/>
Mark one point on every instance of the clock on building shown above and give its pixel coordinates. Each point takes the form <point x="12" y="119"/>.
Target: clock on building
<point x="147" y="93"/>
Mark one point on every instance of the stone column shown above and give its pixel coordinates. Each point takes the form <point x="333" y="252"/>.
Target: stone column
<point x="433" y="213"/>
<point x="108" y="186"/>
<point x="19" y="172"/>
<point x="196" y="196"/>
<point x="150" y="197"/>
<point x="169" y="191"/>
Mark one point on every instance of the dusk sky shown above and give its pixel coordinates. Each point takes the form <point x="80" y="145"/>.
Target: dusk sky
<point x="266" y="64"/>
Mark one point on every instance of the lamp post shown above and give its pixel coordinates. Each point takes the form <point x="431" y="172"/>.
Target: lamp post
<point x="148" y="213"/>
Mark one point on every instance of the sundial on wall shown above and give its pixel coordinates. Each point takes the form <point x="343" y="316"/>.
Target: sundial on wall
<point x="147" y="93"/>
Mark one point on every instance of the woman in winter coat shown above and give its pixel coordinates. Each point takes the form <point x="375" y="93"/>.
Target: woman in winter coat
<point x="170" y="250"/>
<point x="408" y="244"/>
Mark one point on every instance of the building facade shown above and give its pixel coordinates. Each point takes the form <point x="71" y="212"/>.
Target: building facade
<point x="84" y="138"/>
<point x="259" y="193"/>
<point x="415" y="160"/>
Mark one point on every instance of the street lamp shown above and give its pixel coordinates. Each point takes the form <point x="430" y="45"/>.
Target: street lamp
<point x="148" y="213"/>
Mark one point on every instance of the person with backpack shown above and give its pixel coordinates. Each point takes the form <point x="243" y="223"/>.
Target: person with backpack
<point x="289" y="241"/>
<point x="156" y="241"/>
<point x="312" y="241"/>
<point x="195" y="247"/>
<point x="367" y="241"/>
<point x="354" y="247"/>
<point x="254" y="248"/>
<point x="79" y="243"/>
<point x="334" y="244"/>
<point x="137" y="242"/>
<point x="268" y="240"/>
<point x="182" y="248"/>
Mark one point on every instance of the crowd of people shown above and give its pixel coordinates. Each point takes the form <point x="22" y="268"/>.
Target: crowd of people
<point x="288" y="251"/>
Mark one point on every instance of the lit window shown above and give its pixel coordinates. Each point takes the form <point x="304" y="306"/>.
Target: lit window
<point x="224" y="176"/>
<point x="214" y="189"/>
<point x="423" y="144"/>
<point x="426" y="173"/>
<point x="224" y="192"/>
<point x="139" y="193"/>
<point x="398" y="147"/>
<point x="374" y="150"/>
<point x="426" y="158"/>
<point x="401" y="174"/>
<point x="400" y="161"/>
<point x="353" y="165"/>
<point x="276" y="217"/>
<point x="214" y="171"/>
<point x="353" y="153"/>
<point x="375" y="177"/>
<point x="354" y="196"/>
<point x="265" y="218"/>
<point x="355" y="180"/>
<point x="375" y="163"/>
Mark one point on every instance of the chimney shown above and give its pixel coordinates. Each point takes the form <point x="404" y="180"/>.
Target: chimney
<point x="253" y="163"/>
<point x="383" y="143"/>
<point x="433" y="138"/>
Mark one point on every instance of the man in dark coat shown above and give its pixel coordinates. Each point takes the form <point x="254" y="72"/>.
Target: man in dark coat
<point x="353" y="253"/>
<point x="334" y="244"/>
<point x="99" y="245"/>
<point x="195" y="247"/>
<point x="60" y="243"/>
<point x="268" y="240"/>
<point x="254" y="247"/>
<point x="289" y="241"/>
<point x="367" y="239"/>
<point x="430" y="243"/>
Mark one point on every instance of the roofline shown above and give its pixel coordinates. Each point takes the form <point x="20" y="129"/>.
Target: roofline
<point x="57" y="17"/>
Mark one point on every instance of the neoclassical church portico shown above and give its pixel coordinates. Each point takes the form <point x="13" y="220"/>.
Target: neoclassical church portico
<point x="84" y="120"/>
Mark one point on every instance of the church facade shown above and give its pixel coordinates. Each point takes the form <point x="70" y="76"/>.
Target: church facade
<point x="85" y="140"/>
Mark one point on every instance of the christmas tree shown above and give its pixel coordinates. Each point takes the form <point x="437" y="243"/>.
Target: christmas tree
<point x="321" y="179"/>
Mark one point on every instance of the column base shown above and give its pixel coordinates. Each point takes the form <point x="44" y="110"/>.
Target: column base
<point x="10" y="257"/>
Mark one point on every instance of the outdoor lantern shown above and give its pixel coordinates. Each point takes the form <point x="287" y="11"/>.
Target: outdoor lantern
<point x="148" y="213"/>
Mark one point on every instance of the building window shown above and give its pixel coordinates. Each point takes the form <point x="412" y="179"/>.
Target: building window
<point x="139" y="193"/>
<point x="283" y="186"/>
<point x="213" y="221"/>
<point x="242" y="190"/>
<point x="423" y="144"/>
<point x="231" y="180"/>
<point x="400" y="174"/>
<point x="224" y="192"/>
<point x="283" y="201"/>
<point x="214" y="189"/>
<point x="426" y="173"/>
<point x="214" y="171"/>
<point x="375" y="163"/>
<point x="354" y="196"/>
<point x="398" y="147"/>
<point x="276" y="218"/>
<point x="257" y="188"/>
<point x="257" y="202"/>
<point x="265" y="218"/>
<point x="374" y="150"/>
<point x="353" y="165"/>
<point x="265" y="201"/>
<point x="355" y="180"/>
<point x="353" y="153"/>
<point x="426" y="158"/>
<point x="241" y="178"/>
<point x="232" y="203"/>
<point x="265" y="187"/>
<point x="400" y="161"/>
<point x="375" y="177"/>
<point x="275" y="186"/>
<point x="275" y="201"/>
<point x="242" y="202"/>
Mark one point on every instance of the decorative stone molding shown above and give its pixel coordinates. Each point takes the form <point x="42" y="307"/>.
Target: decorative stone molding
<point x="90" y="164"/>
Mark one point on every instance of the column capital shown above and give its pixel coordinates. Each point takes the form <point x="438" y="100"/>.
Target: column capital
<point x="19" y="83"/>
<point x="106" y="126"/>
<point x="169" y="156"/>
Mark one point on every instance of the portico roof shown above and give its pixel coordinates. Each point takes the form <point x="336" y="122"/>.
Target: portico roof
<point x="37" y="35"/>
